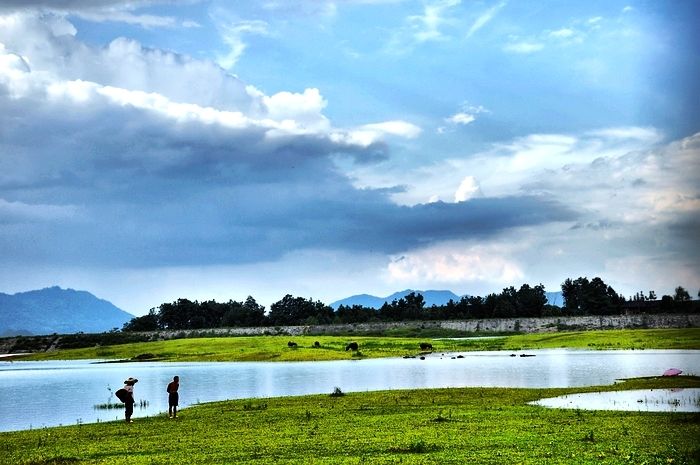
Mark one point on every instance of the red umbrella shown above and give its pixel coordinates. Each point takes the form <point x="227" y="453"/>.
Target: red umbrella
<point x="672" y="372"/>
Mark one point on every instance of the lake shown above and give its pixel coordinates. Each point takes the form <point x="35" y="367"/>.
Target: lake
<point x="38" y="394"/>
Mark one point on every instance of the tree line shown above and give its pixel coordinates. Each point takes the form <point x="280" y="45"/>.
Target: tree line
<point x="581" y="297"/>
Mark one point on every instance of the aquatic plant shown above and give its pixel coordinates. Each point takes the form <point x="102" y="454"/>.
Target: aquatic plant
<point x="337" y="392"/>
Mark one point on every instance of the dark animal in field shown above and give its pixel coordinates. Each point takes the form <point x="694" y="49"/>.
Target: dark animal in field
<point x="291" y="344"/>
<point x="317" y="344"/>
<point x="426" y="346"/>
<point x="351" y="346"/>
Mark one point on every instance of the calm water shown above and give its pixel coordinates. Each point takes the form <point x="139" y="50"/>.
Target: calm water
<point x="37" y="394"/>
<point x="639" y="400"/>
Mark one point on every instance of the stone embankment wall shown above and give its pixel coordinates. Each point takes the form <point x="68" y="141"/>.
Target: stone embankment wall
<point x="526" y="325"/>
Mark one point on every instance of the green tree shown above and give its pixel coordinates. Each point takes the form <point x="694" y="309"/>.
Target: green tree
<point x="292" y="310"/>
<point x="681" y="295"/>
<point x="531" y="300"/>
<point x="594" y="297"/>
<point x="148" y="322"/>
<point x="177" y="315"/>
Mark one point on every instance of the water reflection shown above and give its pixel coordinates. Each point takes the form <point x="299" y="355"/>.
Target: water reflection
<point x="639" y="400"/>
<point x="57" y="392"/>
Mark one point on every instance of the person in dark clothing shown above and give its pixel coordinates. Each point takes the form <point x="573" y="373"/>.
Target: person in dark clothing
<point x="173" y="396"/>
<point x="129" y="403"/>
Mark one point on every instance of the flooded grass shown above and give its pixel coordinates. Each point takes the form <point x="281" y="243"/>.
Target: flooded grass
<point x="141" y="404"/>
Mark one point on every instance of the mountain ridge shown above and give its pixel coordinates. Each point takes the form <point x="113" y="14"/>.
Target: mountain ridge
<point x="56" y="310"/>
<point x="431" y="297"/>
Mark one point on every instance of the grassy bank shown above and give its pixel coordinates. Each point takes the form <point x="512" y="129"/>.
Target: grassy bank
<point x="275" y="348"/>
<point x="445" y="426"/>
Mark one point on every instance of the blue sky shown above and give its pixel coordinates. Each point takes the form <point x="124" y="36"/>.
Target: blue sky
<point x="209" y="149"/>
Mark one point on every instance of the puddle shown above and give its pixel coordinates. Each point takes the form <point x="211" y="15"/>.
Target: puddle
<point x="640" y="400"/>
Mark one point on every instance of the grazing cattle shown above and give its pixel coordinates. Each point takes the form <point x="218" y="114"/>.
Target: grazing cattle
<point x="426" y="346"/>
<point x="351" y="346"/>
<point x="291" y="344"/>
<point x="317" y="344"/>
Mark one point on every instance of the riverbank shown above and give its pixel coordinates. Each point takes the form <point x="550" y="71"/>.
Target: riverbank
<point x="447" y="426"/>
<point x="305" y="348"/>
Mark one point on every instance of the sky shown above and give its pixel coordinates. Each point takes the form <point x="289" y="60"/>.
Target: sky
<point x="156" y="150"/>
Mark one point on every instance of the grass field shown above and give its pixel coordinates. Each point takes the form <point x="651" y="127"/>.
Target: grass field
<point x="436" y="426"/>
<point x="274" y="348"/>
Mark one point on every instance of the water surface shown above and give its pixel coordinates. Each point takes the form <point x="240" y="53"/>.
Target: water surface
<point x="638" y="400"/>
<point x="38" y="394"/>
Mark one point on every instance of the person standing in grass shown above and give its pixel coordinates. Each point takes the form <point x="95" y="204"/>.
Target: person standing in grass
<point x="173" y="396"/>
<point x="129" y="402"/>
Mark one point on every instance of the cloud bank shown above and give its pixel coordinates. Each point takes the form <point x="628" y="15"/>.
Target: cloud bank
<point x="136" y="169"/>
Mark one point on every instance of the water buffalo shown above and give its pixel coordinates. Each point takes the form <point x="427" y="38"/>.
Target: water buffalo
<point x="291" y="344"/>
<point x="426" y="346"/>
<point x="317" y="344"/>
<point x="351" y="346"/>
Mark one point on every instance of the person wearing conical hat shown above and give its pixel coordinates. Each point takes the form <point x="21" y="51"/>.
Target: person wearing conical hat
<point x="129" y="404"/>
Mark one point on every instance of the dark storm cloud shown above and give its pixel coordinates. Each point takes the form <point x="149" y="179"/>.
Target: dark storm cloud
<point x="145" y="190"/>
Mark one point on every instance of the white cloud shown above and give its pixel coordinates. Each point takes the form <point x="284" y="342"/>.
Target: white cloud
<point x="648" y="135"/>
<point x="121" y="16"/>
<point x="562" y="33"/>
<point x="468" y="189"/>
<point x="304" y="109"/>
<point x="523" y="47"/>
<point x="96" y="11"/>
<point x="190" y="24"/>
<point x="18" y="212"/>
<point x="461" y="118"/>
<point x="370" y="133"/>
<point x="455" y="263"/>
<point x="639" y="204"/>
<point x="467" y="115"/>
<point x="233" y="36"/>
<point x="484" y="18"/>
<point x="427" y="27"/>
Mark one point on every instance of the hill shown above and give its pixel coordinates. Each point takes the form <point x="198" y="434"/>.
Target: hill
<point x="430" y="297"/>
<point x="56" y="310"/>
<point x="366" y="300"/>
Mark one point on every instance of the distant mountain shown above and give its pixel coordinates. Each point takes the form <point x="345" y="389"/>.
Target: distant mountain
<point x="555" y="298"/>
<point x="56" y="310"/>
<point x="431" y="298"/>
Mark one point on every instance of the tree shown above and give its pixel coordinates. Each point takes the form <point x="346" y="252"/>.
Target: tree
<point x="531" y="300"/>
<point x="177" y="315"/>
<point x="355" y="314"/>
<point x="594" y="297"/>
<point x="297" y="310"/>
<point x="572" y="291"/>
<point x="149" y="322"/>
<point x="681" y="295"/>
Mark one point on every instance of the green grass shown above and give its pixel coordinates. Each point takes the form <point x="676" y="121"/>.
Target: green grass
<point x="685" y="338"/>
<point x="274" y="348"/>
<point x="435" y="426"/>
